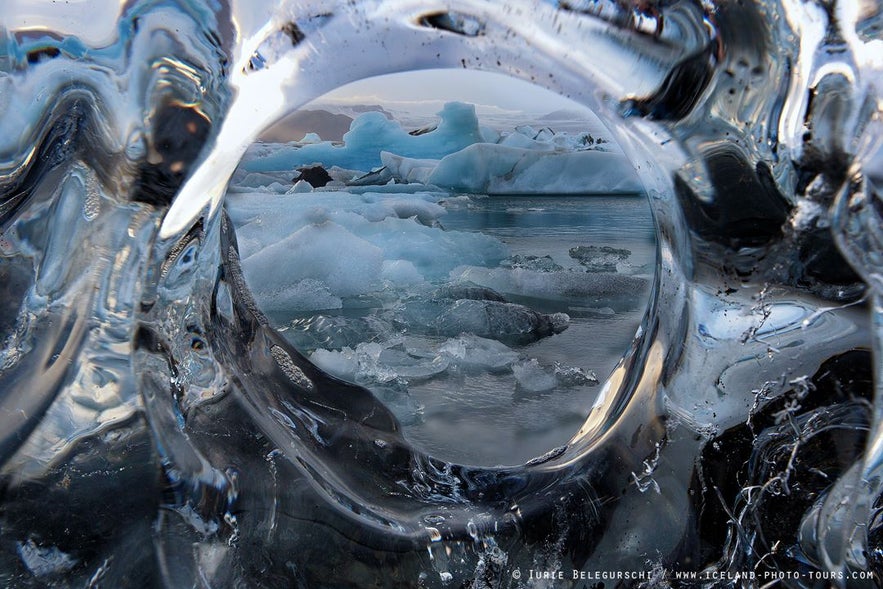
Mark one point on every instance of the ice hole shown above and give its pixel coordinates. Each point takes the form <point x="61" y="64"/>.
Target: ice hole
<point x="475" y="250"/>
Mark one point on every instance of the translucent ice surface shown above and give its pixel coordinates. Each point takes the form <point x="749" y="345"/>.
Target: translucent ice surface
<point x="157" y="431"/>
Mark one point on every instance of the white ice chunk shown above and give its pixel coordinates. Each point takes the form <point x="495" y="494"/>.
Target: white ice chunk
<point x="361" y="365"/>
<point x="572" y="376"/>
<point x="407" y="169"/>
<point x="311" y="138"/>
<point x="365" y="365"/>
<point x="425" y="212"/>
<point x="532" y="377"/>
<point x="497" y="169"/>
<point x="412" y="367"/>
<point x="401" y="272"/>
<point x="327" y="252"/>
<point x="301" y="295"/>
<point x="343" y="175"/>
<point x="522" y="141"/>
<point x="300" y="187"/>
<point x="473" y="353"/>
<point x="342" y="364"/>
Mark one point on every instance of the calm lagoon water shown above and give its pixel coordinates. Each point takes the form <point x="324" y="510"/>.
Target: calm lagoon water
<point x="489" y="419"/>
<point x="488" y="416"/>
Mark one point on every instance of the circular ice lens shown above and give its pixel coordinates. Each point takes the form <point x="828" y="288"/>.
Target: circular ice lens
<point x="473" y="249"/>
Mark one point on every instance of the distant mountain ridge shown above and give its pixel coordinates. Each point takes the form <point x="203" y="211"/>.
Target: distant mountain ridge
<point x="330" y="122"/>
<point x="329" y="126"/>
<point x="563" y="114"/>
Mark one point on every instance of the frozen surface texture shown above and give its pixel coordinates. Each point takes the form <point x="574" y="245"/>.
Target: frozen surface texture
<point x="155" y="430"/>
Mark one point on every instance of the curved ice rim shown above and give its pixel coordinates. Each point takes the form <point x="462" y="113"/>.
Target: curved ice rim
<point x="537" y="53"/>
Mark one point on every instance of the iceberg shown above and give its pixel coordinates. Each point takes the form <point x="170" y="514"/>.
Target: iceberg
<point x="456" y="156"/>
<point x="500" y="169"/>
<point x="370" y="134"/>
<point x="496" y="169"/>
<point x="334" y="263"/>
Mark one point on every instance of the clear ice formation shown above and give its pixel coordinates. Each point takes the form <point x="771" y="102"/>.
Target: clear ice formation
<point x="156" y="431"/>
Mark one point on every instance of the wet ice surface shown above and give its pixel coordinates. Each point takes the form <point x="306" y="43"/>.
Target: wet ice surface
<point x="483" y="322"/>
<point x="155" y="427"/>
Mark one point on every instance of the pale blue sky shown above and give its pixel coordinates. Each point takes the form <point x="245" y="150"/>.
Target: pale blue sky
<point x="424" y="92"/>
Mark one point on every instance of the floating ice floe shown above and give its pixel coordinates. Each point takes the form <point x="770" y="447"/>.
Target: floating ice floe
<point x="309" y="251"/>
<point x="566" y="285"/>
<point x="502" y="321"/>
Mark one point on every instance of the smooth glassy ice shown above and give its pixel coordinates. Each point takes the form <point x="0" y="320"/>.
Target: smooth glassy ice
<point x="155" y="427"/>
